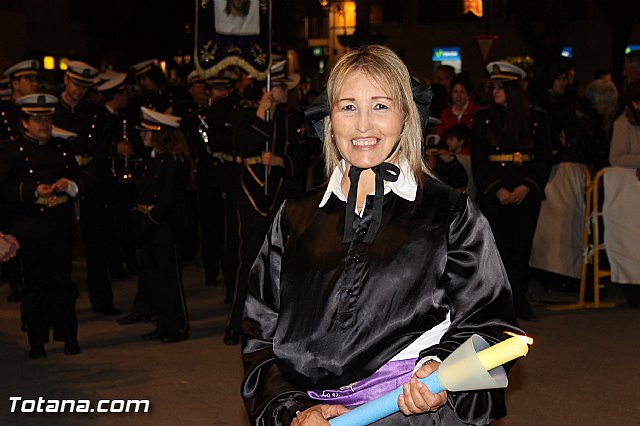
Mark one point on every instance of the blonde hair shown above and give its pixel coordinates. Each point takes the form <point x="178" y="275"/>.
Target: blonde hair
<point x="385" y="68"/>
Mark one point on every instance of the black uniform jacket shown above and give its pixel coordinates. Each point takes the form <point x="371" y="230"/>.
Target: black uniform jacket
<point x="322" y="314"/>
<point x="490" y="176"/>
<point x="24" y="164"/>
<point x="92" y="142"/>
<point x="120" y="128"/>
<point x="252" y="137"/>
<point x="158" y="214"/>
<point x="216" y="157"/>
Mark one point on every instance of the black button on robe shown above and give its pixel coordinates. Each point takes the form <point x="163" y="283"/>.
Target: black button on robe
<point x="322" y="314"/>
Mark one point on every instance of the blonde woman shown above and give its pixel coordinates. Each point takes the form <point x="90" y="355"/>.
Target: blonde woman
<point x="382" y="271"/>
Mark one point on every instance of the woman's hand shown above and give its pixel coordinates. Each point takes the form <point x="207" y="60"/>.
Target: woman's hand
<point x="416" y="397"/>
<point x="61" y="185"/>
<point x="504" y="196"/>
<point x="318" y="415"/>
<point x="5" y="250"/>
<point x="8" y="247"/>
<point x="519" y="194"/>
<point x="265" y="104"/>
<point x="44" y="190"/>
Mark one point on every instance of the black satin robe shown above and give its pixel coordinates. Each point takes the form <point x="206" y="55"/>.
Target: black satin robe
<point x="322" y="314"/>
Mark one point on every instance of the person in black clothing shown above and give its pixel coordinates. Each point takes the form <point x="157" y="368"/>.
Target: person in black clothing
<point x="597" y="112"/>
<point x="23" y="80"/>
<point x="511" y="161"/>
<point x="272" y="162"/>
<point x="91" y="150"/>
<point x="156" y="93"/>
<point x="158" y="220"/>
<point x="194" y="125"/>
<point x="121" y="173"/>
<point x="209" y="130"/>
<point x="39" y="179"/>
<point x="372" y="280"/>
<point x="552" y="97"/>
<point x="224" y="117"/>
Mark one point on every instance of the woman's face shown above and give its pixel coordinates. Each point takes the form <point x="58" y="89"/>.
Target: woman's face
<point x="497" y="91"/>
<point x="459" y="96"/>
<point x="366" y="122"/>
<point x="39" y="127"/>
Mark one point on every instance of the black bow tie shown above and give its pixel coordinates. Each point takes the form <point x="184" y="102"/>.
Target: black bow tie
<point x="383" y="171"/>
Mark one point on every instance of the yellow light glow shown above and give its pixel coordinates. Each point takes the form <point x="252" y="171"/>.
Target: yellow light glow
<point x="345" y="17"/>
<point x="350" y="13"/>
<point x="504" y="351"/>
<point x="163" y="66"/>
<point x="473" y="6"/>
<point x="63" y="64"/>
<point x="49" y="63"/>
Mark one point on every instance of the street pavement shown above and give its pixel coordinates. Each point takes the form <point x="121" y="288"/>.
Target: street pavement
<point x="582" y="368"/>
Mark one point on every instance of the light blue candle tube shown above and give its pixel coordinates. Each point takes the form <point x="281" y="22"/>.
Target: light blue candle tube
<point x="383" y="406"/>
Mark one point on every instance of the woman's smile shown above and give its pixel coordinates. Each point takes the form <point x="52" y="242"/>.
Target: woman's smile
<point x="364" y="142"/>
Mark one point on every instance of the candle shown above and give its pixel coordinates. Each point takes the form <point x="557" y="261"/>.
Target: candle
<point x="464" y="369"/>
<point x="504" y="351"/>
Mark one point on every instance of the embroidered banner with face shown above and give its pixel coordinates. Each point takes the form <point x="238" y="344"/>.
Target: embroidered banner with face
<point x="233" y="32"/>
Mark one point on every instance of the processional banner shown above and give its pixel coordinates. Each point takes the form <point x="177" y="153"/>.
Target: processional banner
<point x="233" y="32"/>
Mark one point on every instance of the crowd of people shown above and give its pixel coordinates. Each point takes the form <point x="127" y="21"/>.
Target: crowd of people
<point x="145" y="172"/>
<point x="148" y="173"/>
<point x="598" y="129"/>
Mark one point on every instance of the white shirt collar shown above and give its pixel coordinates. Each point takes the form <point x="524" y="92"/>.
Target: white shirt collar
<point x="404" y="187"/>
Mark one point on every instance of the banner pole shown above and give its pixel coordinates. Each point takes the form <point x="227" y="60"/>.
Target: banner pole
<point x="267" y="114"/>
<point x="267" y="118"/>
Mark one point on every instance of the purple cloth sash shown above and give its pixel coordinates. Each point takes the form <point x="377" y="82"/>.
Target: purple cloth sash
<point x="385" y="379"/>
